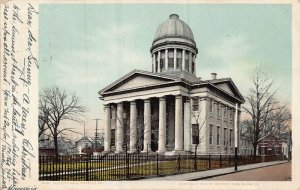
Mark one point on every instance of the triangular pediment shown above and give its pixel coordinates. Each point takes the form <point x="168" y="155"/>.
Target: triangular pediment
<point x="226" y="87"/>
<point x="137" y="79"/>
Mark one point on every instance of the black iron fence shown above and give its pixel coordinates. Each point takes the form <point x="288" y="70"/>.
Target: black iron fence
<point x="133" y="166"/>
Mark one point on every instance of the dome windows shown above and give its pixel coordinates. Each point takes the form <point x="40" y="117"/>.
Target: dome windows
<point x="171" y="59"/>
<point x="179" y="59"/>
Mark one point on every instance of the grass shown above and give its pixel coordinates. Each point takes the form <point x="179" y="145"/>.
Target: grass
<point x="107" y="170"/>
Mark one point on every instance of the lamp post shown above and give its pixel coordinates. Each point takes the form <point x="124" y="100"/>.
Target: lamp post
<point x="235" y="137"/>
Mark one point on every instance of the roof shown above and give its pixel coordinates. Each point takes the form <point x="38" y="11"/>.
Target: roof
<point x="167" y="79"/>
<point x="174" y="27"/>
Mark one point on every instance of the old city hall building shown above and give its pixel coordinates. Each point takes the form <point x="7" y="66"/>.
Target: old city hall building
<point x="169" y="109"/>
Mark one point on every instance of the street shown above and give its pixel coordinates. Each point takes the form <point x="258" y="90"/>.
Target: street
<point x="280" y="172"/>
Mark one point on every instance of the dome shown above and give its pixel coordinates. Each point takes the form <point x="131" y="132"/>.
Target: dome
<point x="173" y="27"/>
<point x="173" y="49"/>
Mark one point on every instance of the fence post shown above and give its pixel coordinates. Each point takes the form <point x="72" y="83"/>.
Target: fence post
<point x="127" y="165"/>
<point x="220" y="161"/>
<point x="195" y="162"/>
<point x="156" y="164"/>
<point x="209" y="161"/>
<point x="178" y="159"/>
<point x="87" y="168"/>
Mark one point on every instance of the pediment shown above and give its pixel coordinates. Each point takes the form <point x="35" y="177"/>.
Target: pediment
<point x="139" y="81"/>
<point x="226" y="87"/>
<point x="136" y="79"/>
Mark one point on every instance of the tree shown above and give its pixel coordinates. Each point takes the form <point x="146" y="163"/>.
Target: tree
<point x="196" y="134"/>
<point x="266" y="115"/>
<point x="55" y="106"/>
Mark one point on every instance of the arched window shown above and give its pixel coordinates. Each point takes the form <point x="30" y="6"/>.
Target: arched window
<point x="193" y="66"/>
<point x="171" y="59"/>
<point x="186" y="61"/>
<point x="162" y="61"/>
<point x="179" y="59"/>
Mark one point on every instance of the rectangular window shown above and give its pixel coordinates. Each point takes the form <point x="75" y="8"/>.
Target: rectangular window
<point x="179" y="59"/>
<point x="225" y="135"/>
<point x="218" y="135"/>
<point x="171" y="59"/>
<point x="230" y="114"/>
<point x="211" y="105"/>
<point x="225" y="111"/>
<point x="195" y="104"/>
<point x="210" y="134"/>
<point x="195" y="133"/>
<point x="219" y="109"/>
<point x="230" y="137"/>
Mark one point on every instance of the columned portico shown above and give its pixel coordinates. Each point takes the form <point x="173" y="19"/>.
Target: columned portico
<point x="107" y="129"/>
<point x="178" y="124"/>
<point x="133" y="131"/>
<point x="147" y="126"/>
<point x="162" y="126"/>
<point x="119" y="128"/>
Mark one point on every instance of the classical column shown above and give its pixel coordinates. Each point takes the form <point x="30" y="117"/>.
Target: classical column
<point x="147" y="126"/>
<point x="183" y="60"/>
<point x="187" y="125"/>
<point x="166" y="59"/>
<point x="119" y="128"/>
<point x="175" y="58"/>
<point x="162" y="125"/>
<point x="158" y="61"/>
<point x="107" y="129"/>
<point x="178" y="124"/>
<point x="133" y="132"/>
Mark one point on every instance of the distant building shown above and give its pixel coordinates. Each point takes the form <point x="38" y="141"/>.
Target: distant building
<point x="273" y="146"/>
<point x="82" y="143"/>
<point x="171" y="102"/>
<point x="246" y="147"/>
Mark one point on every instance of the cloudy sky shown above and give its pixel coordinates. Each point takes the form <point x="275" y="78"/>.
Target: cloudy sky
<point x="83" y="48"/>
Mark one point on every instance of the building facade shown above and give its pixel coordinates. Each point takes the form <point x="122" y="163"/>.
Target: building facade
<point x="272" y="146"/>
<point x="169" y="110"/>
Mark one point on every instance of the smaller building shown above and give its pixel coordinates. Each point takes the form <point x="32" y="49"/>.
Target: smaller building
<point x="81" y="144"/>
<point x="273" y="145"/>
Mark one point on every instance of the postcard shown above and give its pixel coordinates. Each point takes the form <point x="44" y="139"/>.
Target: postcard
<point x="121" y="94"/>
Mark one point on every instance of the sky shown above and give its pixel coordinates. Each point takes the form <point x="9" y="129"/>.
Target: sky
<point x="83" y="48"/>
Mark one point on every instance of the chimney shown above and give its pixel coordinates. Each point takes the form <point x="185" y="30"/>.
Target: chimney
<point x="213" y="76"/>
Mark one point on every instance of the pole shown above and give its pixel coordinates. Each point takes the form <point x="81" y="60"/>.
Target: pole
<point x="96" y="135"/>
<point x="235" y="137"/>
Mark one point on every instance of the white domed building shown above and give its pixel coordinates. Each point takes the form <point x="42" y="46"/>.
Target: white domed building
<point x="169" y="110"/>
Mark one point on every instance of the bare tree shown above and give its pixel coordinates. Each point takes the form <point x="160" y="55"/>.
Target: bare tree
<point x="55" y="105"/>
<point x="196" y="137"/>
<point x="266" y="115"/>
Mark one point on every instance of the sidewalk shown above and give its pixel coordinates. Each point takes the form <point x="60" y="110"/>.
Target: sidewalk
<point x="211" y="173"/>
